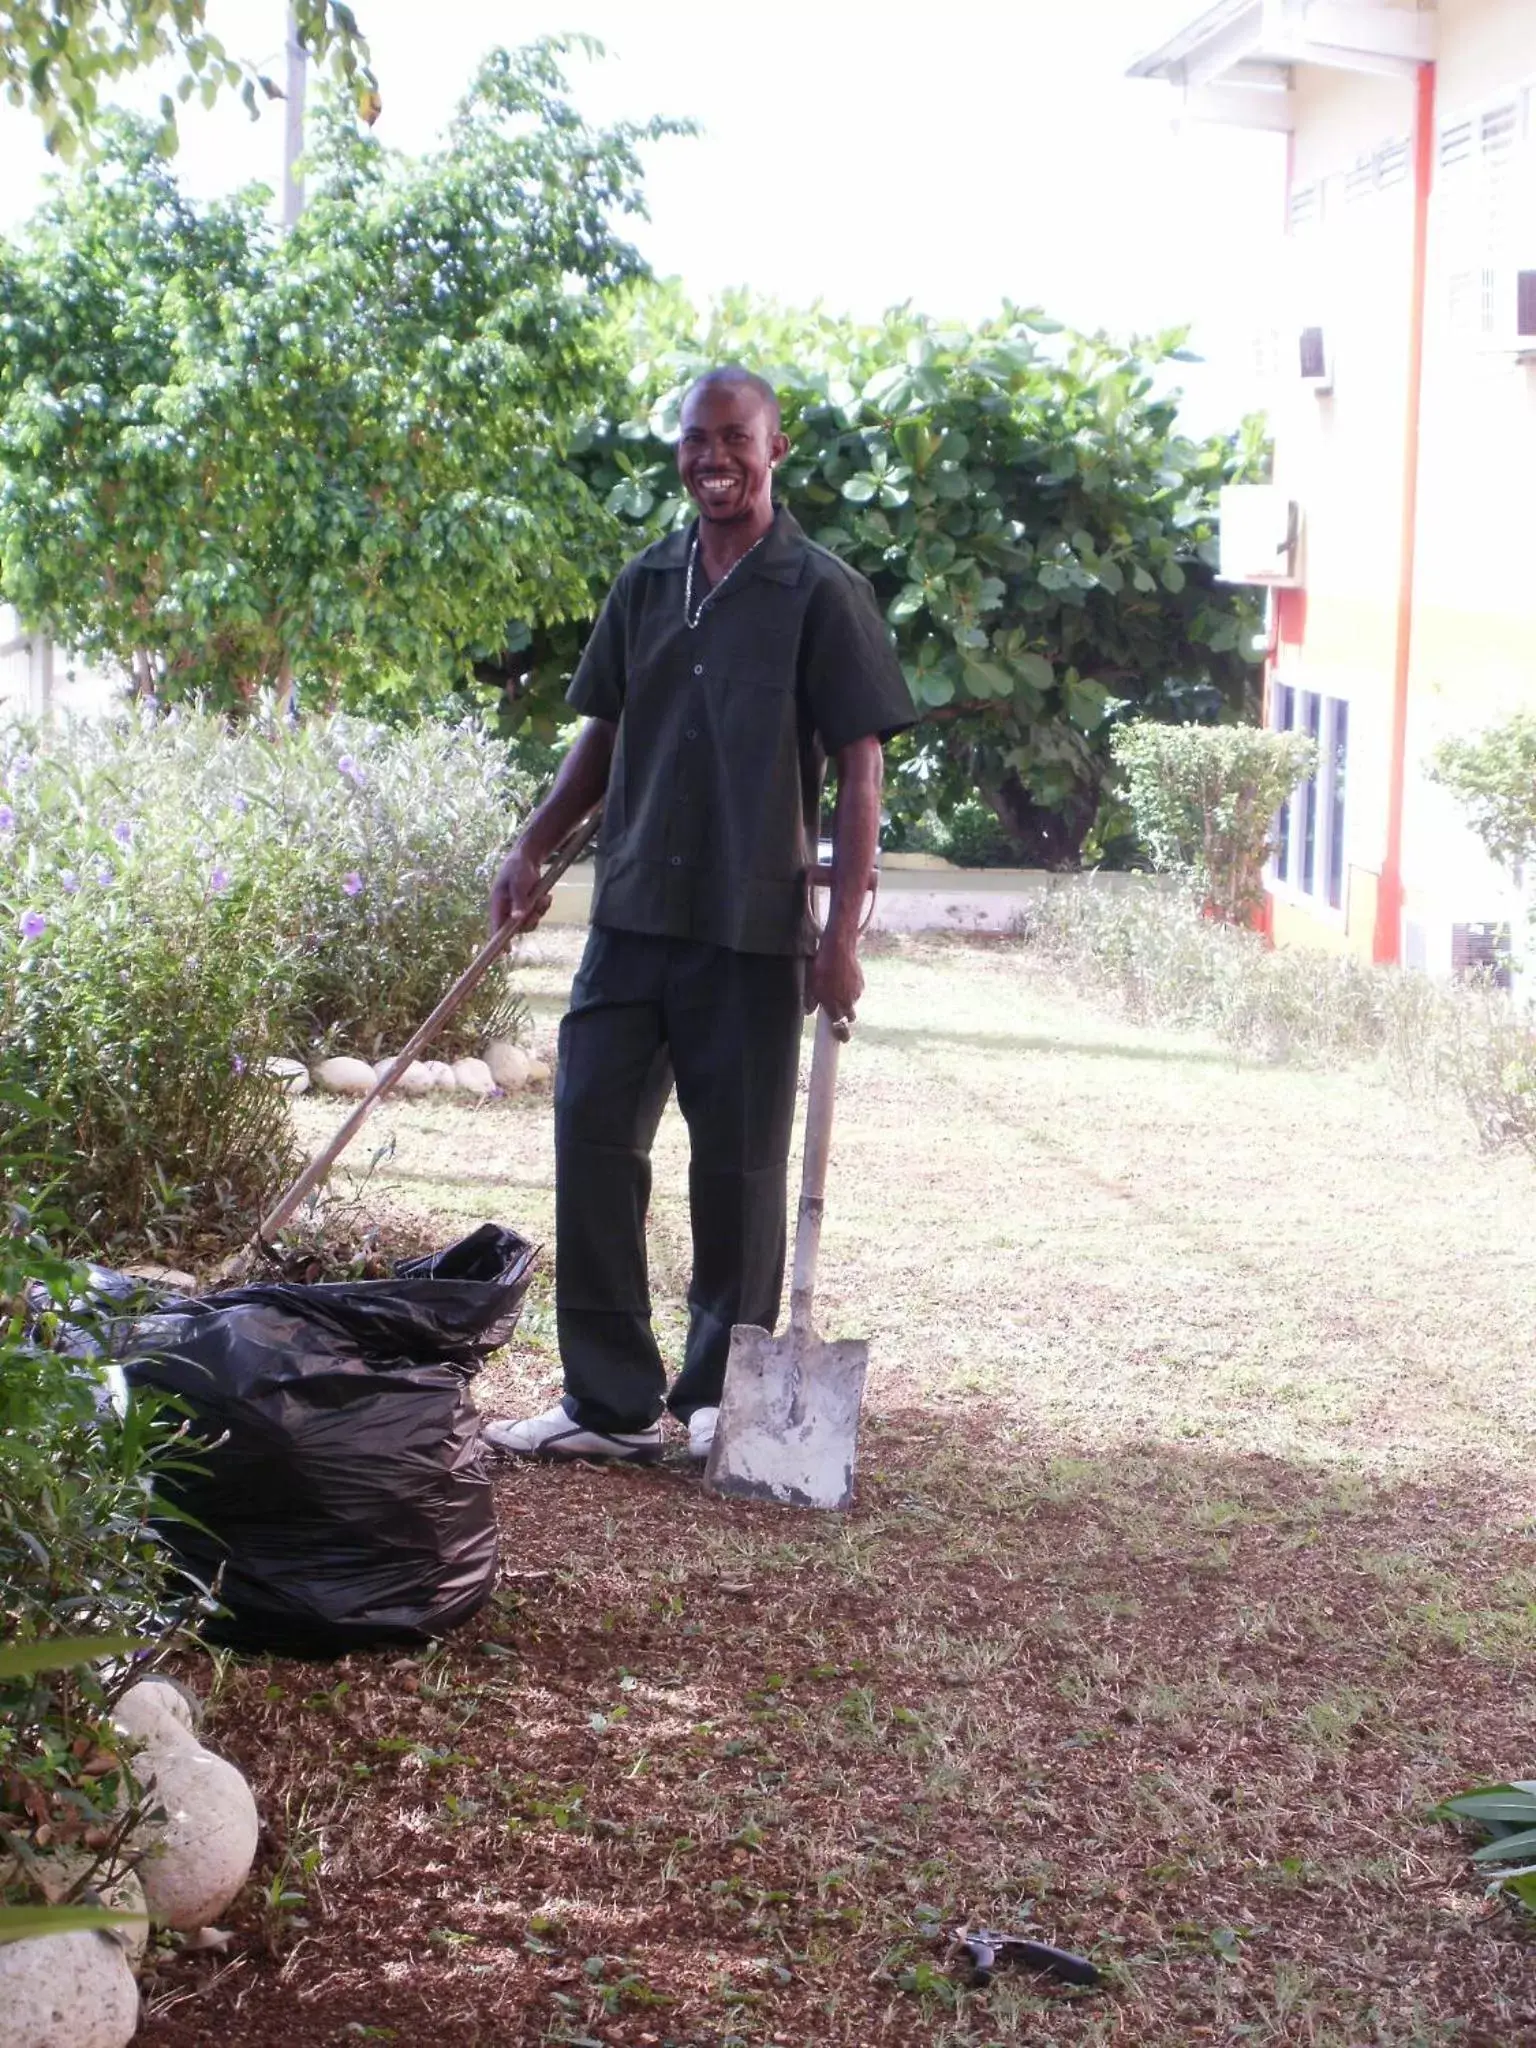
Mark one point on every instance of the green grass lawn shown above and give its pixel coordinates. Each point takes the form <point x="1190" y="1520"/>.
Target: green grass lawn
<point x="1192" y="1564"/>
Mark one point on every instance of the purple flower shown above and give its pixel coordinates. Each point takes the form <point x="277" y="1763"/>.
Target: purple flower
<point x="104" y="874"/>
<point x="349" y="767"/>
<point x="352" y="883"/>
<point x="33" y="924"/>
<point x="123" y="833"/>
<point x="242" y="805"/>
<point x="7" y="818"/>
<point x="19" y="767"/>
<point x="218" y="881"/>
<point x="69" y="881"/>
<point x="238" y="1064"/>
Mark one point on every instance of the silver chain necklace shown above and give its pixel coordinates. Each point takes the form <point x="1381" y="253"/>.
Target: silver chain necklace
<point x="691" y="617"/>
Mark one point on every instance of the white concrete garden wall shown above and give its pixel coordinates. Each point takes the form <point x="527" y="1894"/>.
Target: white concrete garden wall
<point x="919" y="893"/>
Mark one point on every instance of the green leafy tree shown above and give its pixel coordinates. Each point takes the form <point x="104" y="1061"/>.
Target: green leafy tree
<point x="1493" y="773"/>
<point x="232" y="458"/>
<point x="56" y="56"/>
<point x="1040" y="534"/>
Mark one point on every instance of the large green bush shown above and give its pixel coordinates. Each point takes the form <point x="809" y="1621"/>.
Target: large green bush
<point x="1039" y="531"/>
<point x="180" y="901"/>
<point x="1204" y="800"/>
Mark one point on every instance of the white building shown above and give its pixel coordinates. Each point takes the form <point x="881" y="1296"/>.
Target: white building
<point x="38" y="679"/>
<point x="1403" y="556"/>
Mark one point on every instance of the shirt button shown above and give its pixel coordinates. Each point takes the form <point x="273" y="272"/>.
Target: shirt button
<point x="698" y="668"/>
<point x="677" y="860"/>
<point x="690" y="732"/>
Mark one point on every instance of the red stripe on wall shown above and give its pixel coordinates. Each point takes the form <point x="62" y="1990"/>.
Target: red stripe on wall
<point x="1386" y="945"/>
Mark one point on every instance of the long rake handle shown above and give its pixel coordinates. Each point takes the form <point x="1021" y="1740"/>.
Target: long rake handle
<point x="575" y="843"/>
<point x="813" y="1172"/>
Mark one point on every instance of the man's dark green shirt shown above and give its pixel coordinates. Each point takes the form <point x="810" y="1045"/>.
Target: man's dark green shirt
<point x="711" y="816"/>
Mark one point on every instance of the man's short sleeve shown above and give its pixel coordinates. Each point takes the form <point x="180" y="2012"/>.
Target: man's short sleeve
<point x="852" y="679"/>
<point x="597" y="688"/>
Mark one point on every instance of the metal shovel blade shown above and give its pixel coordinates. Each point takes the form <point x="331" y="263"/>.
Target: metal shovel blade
<point x="789" y="1419"/>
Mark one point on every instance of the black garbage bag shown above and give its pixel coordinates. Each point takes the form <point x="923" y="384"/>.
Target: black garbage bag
<point x="339" y="1484"/>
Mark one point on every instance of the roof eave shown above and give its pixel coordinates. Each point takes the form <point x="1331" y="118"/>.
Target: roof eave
<point x="1168" y="60"/>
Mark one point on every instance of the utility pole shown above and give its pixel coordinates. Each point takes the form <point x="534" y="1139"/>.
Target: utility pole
<point x="293" y="122"/>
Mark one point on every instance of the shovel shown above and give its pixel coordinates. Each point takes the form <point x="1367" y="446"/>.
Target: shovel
<point x="789" y="1416"/>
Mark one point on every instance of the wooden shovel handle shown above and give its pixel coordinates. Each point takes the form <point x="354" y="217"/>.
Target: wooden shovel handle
<point x="813" y="1172"/>
<point x="574" y="844"/>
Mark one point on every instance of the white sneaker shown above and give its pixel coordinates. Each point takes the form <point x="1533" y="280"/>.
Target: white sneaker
<point x="701" y="1432"/>
<point x="555" y="1435"/>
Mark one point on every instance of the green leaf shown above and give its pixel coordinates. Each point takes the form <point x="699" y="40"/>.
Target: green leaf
<point x="1035" y="670"/>
<point x="1508" y="1848"/>
<point x="62" y="1653"/>
<point x="22" y="1923"/>
<point x="916" y="442"/>
<point x="859" y="489"/>
<point x="630" y="498"/>
<point x="1085" y="701"/>
<point x="1513" y="1802"/>
<point x="986" y="679"/>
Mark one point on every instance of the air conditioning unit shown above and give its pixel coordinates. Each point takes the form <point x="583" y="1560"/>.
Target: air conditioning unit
<point x="1315" y="360"/>
<point x="1260" y="536"/>
<point x="1509" y="313"/>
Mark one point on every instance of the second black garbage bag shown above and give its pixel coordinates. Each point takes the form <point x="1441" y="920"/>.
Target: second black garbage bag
<point x="338" y="1482"/>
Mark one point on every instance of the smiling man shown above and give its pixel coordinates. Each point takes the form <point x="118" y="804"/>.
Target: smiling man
<point x="730" y="662"/>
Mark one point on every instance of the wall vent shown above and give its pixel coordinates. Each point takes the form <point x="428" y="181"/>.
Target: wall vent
<point x="1306" y="206"/>
<point x="1455" y="144"/>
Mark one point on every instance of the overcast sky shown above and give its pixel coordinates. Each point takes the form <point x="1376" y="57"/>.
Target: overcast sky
<point x="854" y="151"/>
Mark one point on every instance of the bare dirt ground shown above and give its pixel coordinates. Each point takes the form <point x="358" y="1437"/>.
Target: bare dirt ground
<point x="1193" y="1563"/>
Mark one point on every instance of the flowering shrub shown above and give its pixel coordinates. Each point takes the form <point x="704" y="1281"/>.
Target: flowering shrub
<point x="179" y="902"/>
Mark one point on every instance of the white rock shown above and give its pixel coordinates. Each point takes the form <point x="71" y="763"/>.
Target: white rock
<point x="342" y="1076"/>
<point x="201" y="1853"/>
<point x="414" y="1081"/>
<point x="439" y="1073"/>
<point x="158" y="1710"/>
<point x="66" y="1991"/>
<point x="293" y="1074"/>
<point x="538" y="1073"/>
<point x="508" y="1064"/>
<point x="474" y="1077"/>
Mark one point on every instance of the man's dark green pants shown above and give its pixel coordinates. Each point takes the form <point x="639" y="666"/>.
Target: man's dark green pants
<point x="646" y="1013"/>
